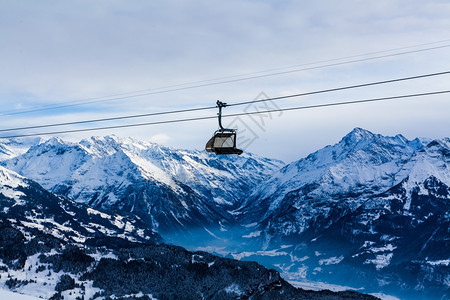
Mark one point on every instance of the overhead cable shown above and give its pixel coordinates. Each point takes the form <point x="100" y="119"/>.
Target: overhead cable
<point x="232" y="115"/>
<point x="109" y="119"/>
<point x="342" y="88"/>
<point x="232" y="104"/>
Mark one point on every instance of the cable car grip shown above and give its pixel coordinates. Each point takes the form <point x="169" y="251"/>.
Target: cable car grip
<point x="220" y="104"/>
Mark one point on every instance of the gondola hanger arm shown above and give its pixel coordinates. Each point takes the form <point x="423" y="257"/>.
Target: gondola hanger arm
<point x="220" y="104"/>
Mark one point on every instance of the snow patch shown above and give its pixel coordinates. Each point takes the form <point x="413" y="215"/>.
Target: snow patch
<point x="387" y="248"/>
<point x="331" y="261"/>
<point x="96" y="212"/>
<point x="384" y="296"/>
<point x="250" y="225"/>
<point x="220" y="200"/>
<point x="275" y="252"/>
<point x="381" y="260"/>
<point x="318" y="286"/>
<point x="234" y="289"/>
<point x="252" y="234"/>
<point x="196" y="258"/>
<point x="444" y="262"/>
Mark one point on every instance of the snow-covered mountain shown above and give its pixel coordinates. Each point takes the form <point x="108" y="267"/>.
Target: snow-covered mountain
<point x="372" y="210"/>
<point x="54" y="248"/>
<point x="361" y="165"/>
<point x="173" y="190"/>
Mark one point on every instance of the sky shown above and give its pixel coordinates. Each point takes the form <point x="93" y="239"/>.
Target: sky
<point x="64" y="61"/>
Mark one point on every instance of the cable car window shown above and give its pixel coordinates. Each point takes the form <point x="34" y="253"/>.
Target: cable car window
<point x="224" y="141"/>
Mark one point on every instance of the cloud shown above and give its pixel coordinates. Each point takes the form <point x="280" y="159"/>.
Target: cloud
<point x="58" y="51"/>
<point x="160" y="138"/>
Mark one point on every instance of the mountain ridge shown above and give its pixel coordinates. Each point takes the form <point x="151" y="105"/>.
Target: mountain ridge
<point x="111" y="172"/>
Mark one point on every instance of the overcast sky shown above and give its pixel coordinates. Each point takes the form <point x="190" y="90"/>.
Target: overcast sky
<point x="55" y="53"/>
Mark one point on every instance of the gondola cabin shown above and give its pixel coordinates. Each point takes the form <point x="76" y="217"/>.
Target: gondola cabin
<point x="223" y="142"/>
<point x="224" y="139"/>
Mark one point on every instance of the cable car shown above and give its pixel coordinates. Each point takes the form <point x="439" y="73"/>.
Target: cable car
<point x="224" y="139"/>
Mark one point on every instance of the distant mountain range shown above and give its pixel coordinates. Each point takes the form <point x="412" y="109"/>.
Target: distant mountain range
<point x="371" y="211"/>
<point x="172" y="190"/>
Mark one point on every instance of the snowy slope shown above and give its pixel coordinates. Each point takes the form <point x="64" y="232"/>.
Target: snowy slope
<point x="28" y="204"/>
<point x="9" y="183"/>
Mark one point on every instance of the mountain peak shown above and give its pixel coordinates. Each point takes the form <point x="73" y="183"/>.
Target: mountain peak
<point x="361" y="138"/>
<point x="358" y="134"/>
<point x="55" y="141"/>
